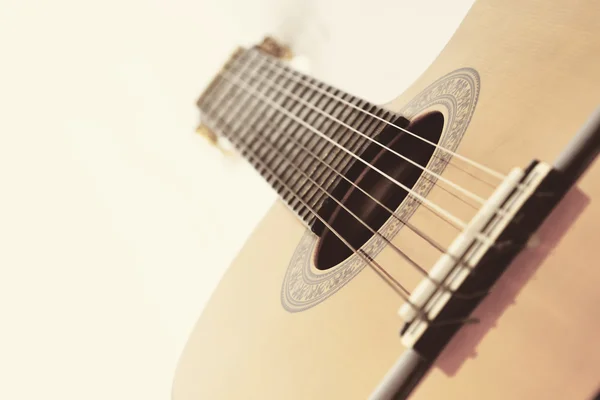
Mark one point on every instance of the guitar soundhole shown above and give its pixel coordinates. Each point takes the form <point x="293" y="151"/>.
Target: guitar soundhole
<point x="331" y="250"/>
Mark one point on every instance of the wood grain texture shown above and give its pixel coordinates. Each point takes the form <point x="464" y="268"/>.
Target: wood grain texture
<point x="539" y="63"/>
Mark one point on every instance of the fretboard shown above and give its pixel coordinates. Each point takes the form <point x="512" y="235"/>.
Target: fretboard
<point x="297" y="132"/>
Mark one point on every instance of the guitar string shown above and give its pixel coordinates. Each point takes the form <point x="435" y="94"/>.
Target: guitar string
<point x="271" y="145"/>
<point x="309" y="82"/>
<point x="279" y="153"/>
<point x="457" y="222"/>
<point x="256" y="115"/>
<point x="289" y="93"/>
<point x="290" y="72"/>
<point x="375" y="266"/>
<point x="240" y="118"/>
<point x="424" y="176"/>
<point x="409" y="225"/>
<point x="361" y="253"/>
<point x="447" y="216"/>
<point x="439" y="285"/>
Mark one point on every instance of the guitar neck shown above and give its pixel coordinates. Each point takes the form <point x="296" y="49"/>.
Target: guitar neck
<point x="297" y="132"/>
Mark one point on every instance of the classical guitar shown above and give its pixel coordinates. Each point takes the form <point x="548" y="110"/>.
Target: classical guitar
<point x="439" y="246"/>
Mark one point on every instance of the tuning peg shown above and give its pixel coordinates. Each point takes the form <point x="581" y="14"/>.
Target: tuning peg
<point x="212" y="138"/>
<point x="271" y="46"/>
<point x="206" y="133"/>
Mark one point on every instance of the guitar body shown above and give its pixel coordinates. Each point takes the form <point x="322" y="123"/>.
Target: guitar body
<point x="533" y="79"/>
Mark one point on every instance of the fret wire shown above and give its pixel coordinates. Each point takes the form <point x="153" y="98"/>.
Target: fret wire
<point x="278" y="137"/>
<point x="279" y="166"/>
<point x="213" y="90"/>
<point x="350" y="142"/>
<point x="340" y="133"/>
<point x="227" y="96"/>
<point x="305" y="114"/>
<point x="355" y="146"/>
<point x="259" y="111"/>
<point x="368" y="125"/>
<point x="302" y="130"/>
<point x="295" y="105"/>
<point x="291" y="178"/>
<point x="243" y="120"/>
<point x="310" y="118"/>
<point x="238" y="69"/>
<point x="342" y="139"/>
<point x="284" y="104"/>
<point x="310" y="141"/>
<point x="209" y="92"/>
<point x="235" y="100"/>
<point x="269" y="113"/>
<point x="293" y="126"/>
<point x="283" y="122"/>
<point x="222" y="87"/>
<point x="325" y="127"/>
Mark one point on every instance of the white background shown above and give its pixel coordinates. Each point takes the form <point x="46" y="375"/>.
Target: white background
<point x="116" y="221"/>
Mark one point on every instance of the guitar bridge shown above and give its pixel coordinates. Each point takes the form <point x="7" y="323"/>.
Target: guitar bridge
<point x="463" y="276"/>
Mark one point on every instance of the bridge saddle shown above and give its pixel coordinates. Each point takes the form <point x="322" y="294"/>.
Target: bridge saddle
<point x="485" y="234"/>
